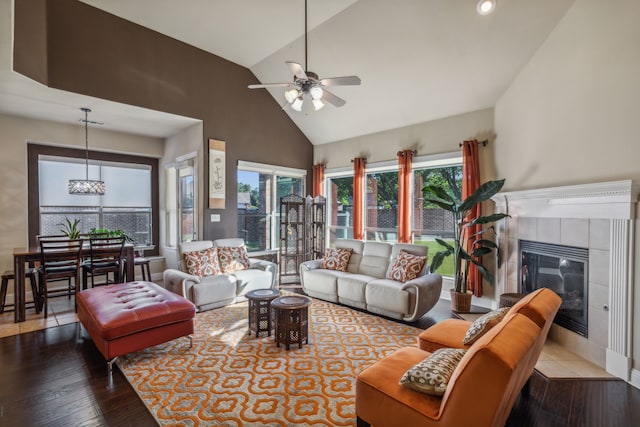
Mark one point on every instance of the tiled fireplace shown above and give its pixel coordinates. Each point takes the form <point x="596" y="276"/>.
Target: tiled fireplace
<point x="597" y="220"/>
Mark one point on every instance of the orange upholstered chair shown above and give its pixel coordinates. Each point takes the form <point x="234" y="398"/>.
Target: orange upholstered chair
<point x="484" y="385"/>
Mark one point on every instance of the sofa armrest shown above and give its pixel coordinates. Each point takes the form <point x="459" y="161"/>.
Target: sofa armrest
<point x="268" y="266"/>
<point x="426" y="290"/>
<point x="314" y="264"/>
<point x="179" y="282"/>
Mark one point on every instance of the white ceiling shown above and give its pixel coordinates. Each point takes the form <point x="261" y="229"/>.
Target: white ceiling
<point x="419" y="60"/>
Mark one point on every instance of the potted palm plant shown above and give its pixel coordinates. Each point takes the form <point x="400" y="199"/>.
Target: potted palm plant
<point x="479" y="243"/>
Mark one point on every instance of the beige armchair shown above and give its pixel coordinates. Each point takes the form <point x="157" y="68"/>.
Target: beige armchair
<point x="218" y="290"/>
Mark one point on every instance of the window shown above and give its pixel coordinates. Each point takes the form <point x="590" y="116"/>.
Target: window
<point x="181" y="201"/>
<point x="381" y="200"/>
<point x="129" y="204"/>
<point x="340" y="202"/>
<point x="381" y="206"/>
<point x="260" y="188"/>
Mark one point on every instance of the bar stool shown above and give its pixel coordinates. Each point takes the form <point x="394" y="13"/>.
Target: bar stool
<point x="8" y="275"/>
<point x="144" y="267"/>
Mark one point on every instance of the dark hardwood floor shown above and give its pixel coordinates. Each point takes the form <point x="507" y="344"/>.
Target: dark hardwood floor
<point x="57" y="377"/>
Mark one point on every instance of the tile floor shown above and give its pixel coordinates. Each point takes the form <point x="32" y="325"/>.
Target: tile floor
<point x="556" y="361"/>
<point x="61" y="312"/>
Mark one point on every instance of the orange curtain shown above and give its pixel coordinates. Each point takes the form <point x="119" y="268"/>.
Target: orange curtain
<point x="470" y="183"/>
<point x="358" y="197"/>
<point x="404" y="196"/>
<point x="318" y="180"/>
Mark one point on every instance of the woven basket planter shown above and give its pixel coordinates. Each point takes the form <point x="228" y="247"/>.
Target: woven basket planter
<point x="461" y="302"/>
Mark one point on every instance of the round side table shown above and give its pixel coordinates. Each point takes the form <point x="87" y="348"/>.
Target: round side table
<point x="292" y="320"/>
<point x="260" y="315"/>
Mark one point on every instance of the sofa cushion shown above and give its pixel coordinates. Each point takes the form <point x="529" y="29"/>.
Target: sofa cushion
<point x="387" y="295"/>
<point x="323" y="281"/>
<point x="356" y="255"/>
<point x="447" y="333"/>
<point x="336" y="259"/>
<point x="406" y="267"/>
<point x="251" y="279"/>
<point x="352" y="287"/>
<point x="432" y="375"/>
<point x="202" y="263"/>
<point x="233" y="258"/>
<point x="375" y="259"/>
<point x="212" y="289"/>
<point x="482" y="324"/>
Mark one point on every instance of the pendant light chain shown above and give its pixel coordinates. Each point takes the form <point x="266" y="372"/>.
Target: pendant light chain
<point x="86" y="142"/>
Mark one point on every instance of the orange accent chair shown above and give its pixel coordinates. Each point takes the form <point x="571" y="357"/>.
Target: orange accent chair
<point x="484" y="385"/>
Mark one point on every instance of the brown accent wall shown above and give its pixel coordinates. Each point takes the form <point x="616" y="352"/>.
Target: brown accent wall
<point x="92" y="52"/>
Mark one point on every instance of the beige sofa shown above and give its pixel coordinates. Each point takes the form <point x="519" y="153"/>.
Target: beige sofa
<point x="364" y="285"/>
<point x="222" y="289"/>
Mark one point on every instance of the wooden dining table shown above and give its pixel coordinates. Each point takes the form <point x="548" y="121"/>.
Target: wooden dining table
<point x="24" y="256"/>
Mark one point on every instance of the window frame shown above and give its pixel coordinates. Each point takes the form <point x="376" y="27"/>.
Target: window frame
<point x="34" y="151"/>
<point x="275" y="171"/>
<point x="419" y="162"/>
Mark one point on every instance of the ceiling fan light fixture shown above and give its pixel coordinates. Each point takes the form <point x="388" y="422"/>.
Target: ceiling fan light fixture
<point x="297" y="104"/>
<point x="316" y="92"/>
<point x="486" y="7"/>
<point x="317" y="104"/>
<point x="291" y="95"/>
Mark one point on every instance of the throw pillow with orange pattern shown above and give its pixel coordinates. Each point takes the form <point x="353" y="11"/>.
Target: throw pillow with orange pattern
<point x="336" y="259"/>
<point x="233" y="259"/>
<point x="202" y="263"/>
<point x="406" y="266"/>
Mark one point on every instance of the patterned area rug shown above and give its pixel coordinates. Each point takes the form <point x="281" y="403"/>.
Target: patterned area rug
<point x="230" y="379"/>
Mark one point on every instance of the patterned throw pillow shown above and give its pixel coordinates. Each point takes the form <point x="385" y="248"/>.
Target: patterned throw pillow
<point x="233" y="259"/>
<point x="483" y="323"/>
<point x="202" y="263"/>
<point x="406" y="267"/>
<point x="336" y="259"/>
<point x="431" y="376"/>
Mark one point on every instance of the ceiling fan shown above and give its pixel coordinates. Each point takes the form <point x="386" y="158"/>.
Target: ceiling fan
<point x="307" y="83"/>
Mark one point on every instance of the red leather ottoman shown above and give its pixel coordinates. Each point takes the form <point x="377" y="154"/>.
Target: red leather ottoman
<point x="126" y="317"/>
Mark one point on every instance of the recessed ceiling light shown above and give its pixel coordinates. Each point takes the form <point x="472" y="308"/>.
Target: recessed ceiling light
<point x="485" y="7"/>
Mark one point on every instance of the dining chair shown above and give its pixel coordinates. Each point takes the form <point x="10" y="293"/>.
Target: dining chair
<point x="105" y="257"/>
<point x="59" y="259"/>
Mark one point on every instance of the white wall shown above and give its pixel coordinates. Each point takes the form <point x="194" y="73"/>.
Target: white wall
<point x="438" y="136"/>
<point x="14" y="135"/>
<point x="186" y="142"/>
<point x="572" y="115"/>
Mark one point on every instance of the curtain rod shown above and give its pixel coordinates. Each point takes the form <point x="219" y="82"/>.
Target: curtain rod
<point x="484" y="143"/>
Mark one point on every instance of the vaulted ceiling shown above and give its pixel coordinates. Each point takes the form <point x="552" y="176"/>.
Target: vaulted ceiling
<point x="419" y="60"/>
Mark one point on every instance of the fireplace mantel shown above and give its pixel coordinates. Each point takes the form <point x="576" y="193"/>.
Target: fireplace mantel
<point x="614" y="201"/>
<point x="608" y="200"/>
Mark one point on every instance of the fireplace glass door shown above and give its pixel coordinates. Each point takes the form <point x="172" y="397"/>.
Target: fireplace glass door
<point x="563" y="269"/>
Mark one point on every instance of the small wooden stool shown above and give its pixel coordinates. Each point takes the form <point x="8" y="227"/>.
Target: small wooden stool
<point x="144" y="267"/>
<point x="8" y="275"/>
<point x="292" y="320"/>
<point x="260" y="313"/>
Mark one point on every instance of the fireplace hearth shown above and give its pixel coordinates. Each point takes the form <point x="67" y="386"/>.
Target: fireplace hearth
<point x="563" y="269"/>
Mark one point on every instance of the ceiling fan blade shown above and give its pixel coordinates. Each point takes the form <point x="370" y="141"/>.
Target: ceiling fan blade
<point x="266" y="85"/>
<point x="332" y="99"/>
<point x="341" y="81"/>
<point x="297" y="70"/>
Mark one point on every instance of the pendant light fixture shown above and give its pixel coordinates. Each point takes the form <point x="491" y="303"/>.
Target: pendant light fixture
<point x="86" y="186"/>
